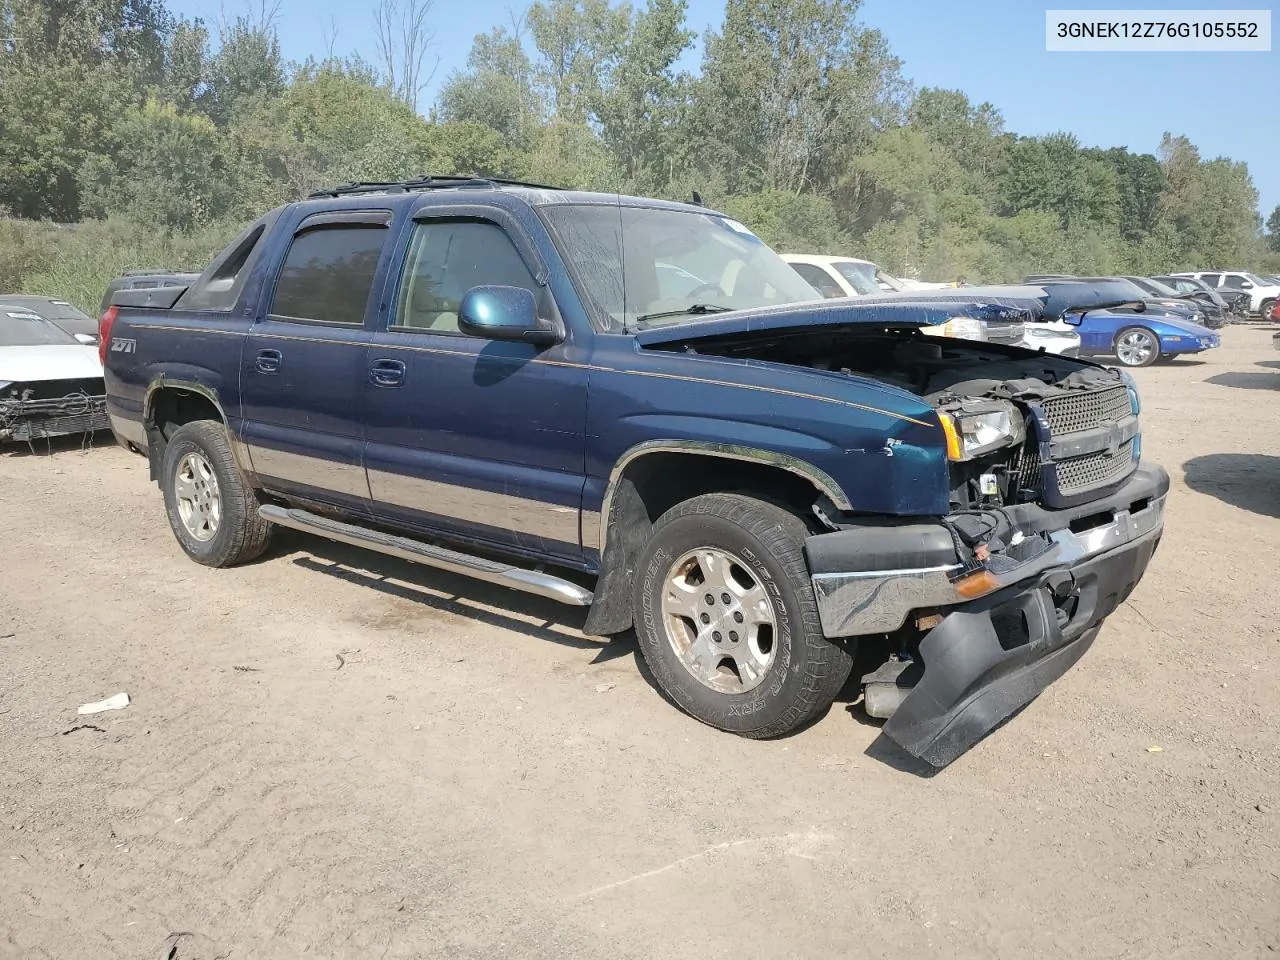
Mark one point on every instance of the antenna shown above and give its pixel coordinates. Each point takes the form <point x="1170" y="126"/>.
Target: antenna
<point x="697" y="198"/>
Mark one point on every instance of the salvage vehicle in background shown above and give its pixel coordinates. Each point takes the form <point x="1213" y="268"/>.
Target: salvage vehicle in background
<point x="848" y="277"/>
<point x="1052" y="336"/>
<point x="1262" y="295"/>
<point x="58" y="312"/>
<point x="1124" y="288"/>
<point x="1205" y="295"/>
<point x="50" y="383"/>
<point x="841" y="276"/>
<point x="1205" y="312"/>
<point x="488" y="378"/>
<point x="1135" y="333"/>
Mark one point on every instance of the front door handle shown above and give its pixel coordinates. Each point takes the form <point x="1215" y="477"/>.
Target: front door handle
<point x="386" y="373"/>
<point x="268" y="361"/>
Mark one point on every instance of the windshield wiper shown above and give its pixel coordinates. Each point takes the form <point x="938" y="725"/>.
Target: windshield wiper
<point x="696" y="309"/>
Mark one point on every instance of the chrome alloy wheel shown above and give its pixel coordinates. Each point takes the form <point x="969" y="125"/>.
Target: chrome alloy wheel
<point x="1136" y="348"/>
<point x="719" y="620"/>
<point x="199" y="500"/>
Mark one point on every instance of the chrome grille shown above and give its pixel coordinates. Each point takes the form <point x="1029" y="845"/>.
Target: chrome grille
<point x="1081" y="411"/>
<point x="1094" y="469"/>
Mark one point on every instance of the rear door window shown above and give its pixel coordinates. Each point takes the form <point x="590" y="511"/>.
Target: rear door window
<point x="327" y="274"/>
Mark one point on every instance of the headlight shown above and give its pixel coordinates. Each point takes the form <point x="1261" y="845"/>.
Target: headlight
<point x="977" y="427"/>
<point x="1042" y="332"/>
<point x="966" y="328"/>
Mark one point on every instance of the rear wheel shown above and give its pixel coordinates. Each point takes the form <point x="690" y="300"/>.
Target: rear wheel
<point x="212" y="511"/>
<point x="1137" y="347"/>
<point x="726" y="618"/>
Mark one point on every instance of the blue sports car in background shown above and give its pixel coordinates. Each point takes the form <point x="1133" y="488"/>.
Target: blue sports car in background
<point x="1135" y="334"/>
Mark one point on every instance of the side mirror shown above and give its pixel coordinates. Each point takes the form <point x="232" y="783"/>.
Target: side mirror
<point x="505" y="313"/>
<point x="1246" y="285"/>
<point x="86" y="339"/>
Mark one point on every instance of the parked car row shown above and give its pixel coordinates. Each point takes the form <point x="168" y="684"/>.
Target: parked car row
<point x="1145" y="320"/>
<point x="1261" y="292"/>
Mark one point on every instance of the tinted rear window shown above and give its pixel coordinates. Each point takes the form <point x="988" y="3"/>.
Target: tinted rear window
<point x="327" y="274"/>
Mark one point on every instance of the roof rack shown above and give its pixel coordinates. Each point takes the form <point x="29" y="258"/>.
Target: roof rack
<point x="425" y="182"/>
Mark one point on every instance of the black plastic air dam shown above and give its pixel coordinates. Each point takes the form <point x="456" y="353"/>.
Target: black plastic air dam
<point x="977" y="674"/>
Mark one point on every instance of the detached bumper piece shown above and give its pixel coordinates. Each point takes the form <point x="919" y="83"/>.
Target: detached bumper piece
<point x="1009" y="626"/>
<point x="25" y="420"/>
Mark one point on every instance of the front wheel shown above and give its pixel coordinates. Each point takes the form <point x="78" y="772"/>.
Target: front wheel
<point x="1137" y="347"/>
<point x="1264" y="309"/>
<point x="726" y="618"/>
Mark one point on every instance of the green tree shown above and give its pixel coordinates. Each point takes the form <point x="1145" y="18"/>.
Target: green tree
<point x="169" y="171"/>
<point x="579" y="43"/>
<point x="641" y="110"/>
<point x="1273" y="230"/>
<point x="246" y="70"/>
<point x="789" y="88"/>
<point x="496" y="89"/>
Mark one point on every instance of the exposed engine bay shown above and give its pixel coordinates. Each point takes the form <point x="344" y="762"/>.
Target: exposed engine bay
<point x="999" y="406"/>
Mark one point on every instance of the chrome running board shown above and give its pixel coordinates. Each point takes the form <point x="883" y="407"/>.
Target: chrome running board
<point x="492" y="571"/>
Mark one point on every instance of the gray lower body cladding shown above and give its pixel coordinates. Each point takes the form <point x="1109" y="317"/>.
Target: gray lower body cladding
<point x="24" y="420"/>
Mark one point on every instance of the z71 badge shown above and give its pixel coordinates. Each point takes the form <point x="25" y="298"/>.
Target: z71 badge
<point x="121" y="345"/>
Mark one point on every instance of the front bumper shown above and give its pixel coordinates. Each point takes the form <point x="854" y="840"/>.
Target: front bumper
<point x="1190" y="344"/>
<point x="869" y="579"/>
<point x="991" y="654"/>
<point x="35" y="419"/>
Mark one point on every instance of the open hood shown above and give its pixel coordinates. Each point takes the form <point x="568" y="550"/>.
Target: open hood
<point x="894" y="311"/>
<point x="52" y="362"/>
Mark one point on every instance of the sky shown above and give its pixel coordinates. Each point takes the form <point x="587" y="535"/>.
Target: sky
<point x="1227" y="104"/>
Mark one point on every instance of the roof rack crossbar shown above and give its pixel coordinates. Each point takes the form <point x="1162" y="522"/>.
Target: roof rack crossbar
<point x="424" y="182"/>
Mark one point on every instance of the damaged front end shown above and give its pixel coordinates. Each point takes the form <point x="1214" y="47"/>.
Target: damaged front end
<point x="52" y="408"/>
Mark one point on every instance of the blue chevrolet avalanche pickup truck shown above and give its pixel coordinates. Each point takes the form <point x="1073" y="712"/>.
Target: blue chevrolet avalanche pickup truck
<point x="635" y="406"/>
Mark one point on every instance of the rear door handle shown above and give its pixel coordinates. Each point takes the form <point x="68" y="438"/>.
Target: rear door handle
<point x="387" y="373"/>
<point x="268" y="361"/>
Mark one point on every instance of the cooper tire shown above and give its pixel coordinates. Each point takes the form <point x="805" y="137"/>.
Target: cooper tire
<point x="212" y="510"/>
<point x="802" y="672"/>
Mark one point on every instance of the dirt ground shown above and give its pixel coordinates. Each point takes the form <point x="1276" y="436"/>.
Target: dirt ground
<point x="333" y="754"/>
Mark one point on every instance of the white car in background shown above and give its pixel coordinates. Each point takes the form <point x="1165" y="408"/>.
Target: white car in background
<point x="850" y="277"/>
<point x="50" y="383"/>
<point x="842" y="276"/>
<point x="1052" y="336"/>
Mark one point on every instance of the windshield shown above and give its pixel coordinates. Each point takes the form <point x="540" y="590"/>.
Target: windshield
<point x="1256" y="280"/>
<point x="679" y="265"/>
<point x="21" y="328"/>
<point x="861" y="276"/>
